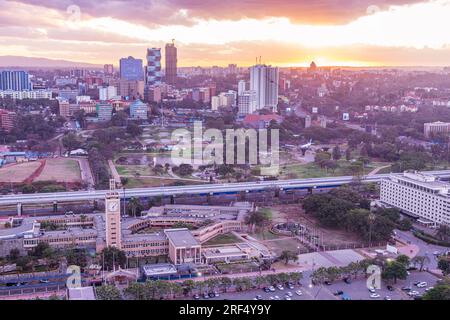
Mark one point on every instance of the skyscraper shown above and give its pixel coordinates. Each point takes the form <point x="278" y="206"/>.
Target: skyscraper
<point x="15" y="81"/>
<point x="171" y="63"/>
<point x="131" y="69"/>
<point x="264" y="81"/>
<point x="153" y="69"/>
<point x="108" y="69"/>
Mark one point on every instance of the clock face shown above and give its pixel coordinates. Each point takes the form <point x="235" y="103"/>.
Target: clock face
<point x="113" y="206"/>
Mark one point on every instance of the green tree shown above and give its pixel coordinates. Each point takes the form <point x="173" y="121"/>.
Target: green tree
<point x="421" y="261"/>
<point x="71" y="142"/>
<point x="108" y="292"/>
<point x="444" y="266"/>
<point x="394" y="270"/>
<point x="287" y="256"/>
<point x="113" y="257"/>
<point x="336" y="155"/>
<point x="403" y="259"/>
<point x="440" y="291"/>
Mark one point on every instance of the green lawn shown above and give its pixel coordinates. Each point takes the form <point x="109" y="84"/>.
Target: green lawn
<point x="227" y="238"/>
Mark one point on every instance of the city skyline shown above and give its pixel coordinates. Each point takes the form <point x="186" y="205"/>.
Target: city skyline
<point x="375" y="33"/>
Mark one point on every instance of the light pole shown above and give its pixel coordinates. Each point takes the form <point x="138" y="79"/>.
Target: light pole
<point x="371" y="220"/>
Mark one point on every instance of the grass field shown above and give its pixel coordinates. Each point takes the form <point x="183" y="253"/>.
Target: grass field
<point x="280" y="245"/>
<point x="18" y="172"/>
<point x="60" y="170"/>
<point x="227" y="238"/>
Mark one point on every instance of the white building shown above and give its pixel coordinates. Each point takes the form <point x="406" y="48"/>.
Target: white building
<point x="215" y="103"/>
<point x="419" y="195"/>
<point x="264" y="81"/>
<point x="242" y="86"/>
<point x="107" y="93"/>
<point x="20" y="95"/>
<point x="247" y="102"/>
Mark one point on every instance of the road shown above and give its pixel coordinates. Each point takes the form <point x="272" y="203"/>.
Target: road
<point x="197" y="189"/>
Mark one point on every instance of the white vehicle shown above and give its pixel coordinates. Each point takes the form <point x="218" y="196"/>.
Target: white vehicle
<point x="271" y="298"/>
<point x="428" y="289"/>
<point x="375" y="296"/>
<point x="289" y="294"/>
<point x="298" y="292"/>
<point x="413" y="293"/>
<point x="272" y="289"/>
<point x="280" y="287"/>
<point x="288" y="298"/>
<point x="277" y="298"/>
<point x="422" y="285"/>
<point x="372" y="290"/>
<point x="387" y="298"/>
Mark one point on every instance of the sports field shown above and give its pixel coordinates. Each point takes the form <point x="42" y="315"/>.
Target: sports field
<point x="60" y="170"/>
<point x="17" y="173"/>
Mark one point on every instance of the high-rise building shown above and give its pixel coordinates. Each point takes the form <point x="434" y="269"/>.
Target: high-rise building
<point x="153" y="69"/>
<point x="307" y="121"/>
<point x="112" y="218"/>
<point x="215" y="103"/>
<point x="131" y="69"/>
<point x="139" y="110"/>
<point x="131" y="89"/>
<point x="15" y="81"/>
<point x="171" y="63"/>
<point x="108" y="69"/>
<point x="264" y="81"/>
<point x="242" y="86"/>
<point x="64" y="109"/>
<point x="247" y="102"/>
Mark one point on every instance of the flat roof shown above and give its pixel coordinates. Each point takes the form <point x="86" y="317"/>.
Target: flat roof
<point x="83" y="293"/>
<point x="181" y="238"/>
<point x="159" y="269"/>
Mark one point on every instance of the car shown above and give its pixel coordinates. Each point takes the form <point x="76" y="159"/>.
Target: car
<point x="271" y="298"/>
<point x="272" y="289"/>
<point x="216" y="294"/>
<point x="428" y="289"/>
<point x="375" y="296"/>
<point x="328" y="283"/>
<point x="387" y="298"/>
<point x="406" y="289"/>
<point x="416" y="283"/>
<point x="196" y="297"/>
<point x="422" y="285"/>
<point x="338" y="293"/>
<point x="287" y="298"/>
<point x="258" y="297"/>
<point x="436" y="253"/>
<point x="211" y="295"/>
<point x="205" y="296"/>
<point x="299" y="282"/>
<point x="44" y="281"/>
<point x="280" y="287"/>
<point x="290" y="286"/>
<point x="277" y="298"/>
<point x="347" y="280"/>
<point x="298" y="292"/>
<point x="289" y="294"/>
<point x="371" y="289"/>
<point x="266" y="289"/>
<point x="390" y="288"/>
<point x="413" y="293"/>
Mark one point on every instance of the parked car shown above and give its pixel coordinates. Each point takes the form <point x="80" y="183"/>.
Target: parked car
<point x="375" y="296"/>
<point x="339" y="293"/>
<point x="372" y="290"/>
<point x="387" y="298"/>
<point x="298" y="292"/>
<point x="272" y="289"/>
<point x="406" y="289"/>
<point x="196" y="297"/>
<point x="258" y="297"/>
<point x="422" y="285"/>
<point x="390" y="288"/>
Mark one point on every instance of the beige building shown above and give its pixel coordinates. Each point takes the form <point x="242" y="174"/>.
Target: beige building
<point x="436" y="128"/>
<point x="112" y="216"/>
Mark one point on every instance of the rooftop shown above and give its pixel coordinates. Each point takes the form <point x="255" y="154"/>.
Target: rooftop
<point x="181" y="238"/>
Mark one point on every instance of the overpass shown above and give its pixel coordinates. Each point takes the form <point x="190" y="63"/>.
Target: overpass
<point x="41" y="198"/>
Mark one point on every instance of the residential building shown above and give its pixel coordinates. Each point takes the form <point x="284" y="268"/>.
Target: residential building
<point x="131" y="69"/>
<point x="171" y="63"/>
<point x="264" y="81"/>
<point x="64" y="109"/>
<point x="247" y="102"/>
<point x="20" y="95"/>
<point x="7" y="120"/>
<point x="107" y="93"/>
<point x="420" y="195"/>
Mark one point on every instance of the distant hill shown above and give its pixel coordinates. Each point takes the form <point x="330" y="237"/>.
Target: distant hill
<point x="29" y="62"/>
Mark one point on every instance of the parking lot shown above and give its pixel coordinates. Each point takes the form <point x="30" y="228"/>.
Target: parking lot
<point x="356" y="290"/>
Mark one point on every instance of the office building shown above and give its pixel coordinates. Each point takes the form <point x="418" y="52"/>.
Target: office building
<point x="131" y="69"/>
<point x="108" y="69"/>
<point x="15" y="81"/>
<point x="131" y="89"/>
<point x="215" y="103"/>
<point x="139" y="110"/>
<point x="153" y="70"/>
<point x="242" y="86"/>
<point x="264" y="81"/>
<point x="107" y="93"/>
<point x="104" y="111"/>
<point x="171" y="63"/>
<point x="247" y="102"/>
<point x="420" y="195"/>
<point x="153" y="94"/>
<point x="7" y="120"/>
<point x="436" y="128"/>
<point x="20" y="95"/>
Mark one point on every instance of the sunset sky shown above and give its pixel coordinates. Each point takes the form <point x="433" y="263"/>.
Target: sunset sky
<point x="207" y="32"/>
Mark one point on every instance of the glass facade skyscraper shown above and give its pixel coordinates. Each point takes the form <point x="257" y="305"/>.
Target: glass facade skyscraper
<point x="131" y="69"/>
<point x="15" y="81"/>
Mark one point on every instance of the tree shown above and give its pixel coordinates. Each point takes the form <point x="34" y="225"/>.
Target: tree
<point x="443" y="233"/>
<point x="188" y="286"/>
<point x="394" y="270"/>
<point x="225" y="283"/>
<point x="113" y="257"/>
<point x="71" y="142"/>
<point x="257" y="219"/>
<point x="134" y="130"/>
<point x="444" y="266"/>
<point x="287" y="256"/>
<point x="441" y="291"/>
<point x="421" y="261"/>
<point x="134" y="207"/>
<point x="321" y="158"/>
<point x="14" y="254"/>
<point x="348" y="154"/>
<point x="108" y="292"/>
<point x="403" y="259"/>
<point x="336" y="155"/>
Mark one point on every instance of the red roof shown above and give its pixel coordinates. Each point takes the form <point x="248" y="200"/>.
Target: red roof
<point x="250" y="118"/>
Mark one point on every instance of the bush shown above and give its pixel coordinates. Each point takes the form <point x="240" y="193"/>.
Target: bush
<point x="430" y="239"/>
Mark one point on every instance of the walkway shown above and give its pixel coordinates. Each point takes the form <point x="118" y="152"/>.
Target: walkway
<point x="114" y="173"/>
<point x="378" y="169"/>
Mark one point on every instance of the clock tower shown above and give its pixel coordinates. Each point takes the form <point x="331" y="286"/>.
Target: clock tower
<point x="112" y="217"/>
